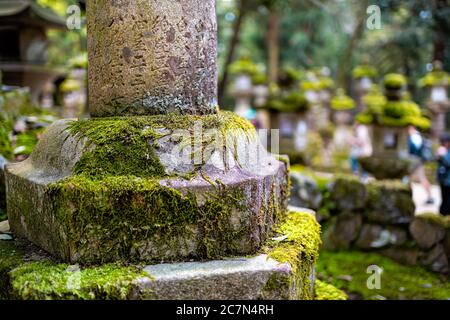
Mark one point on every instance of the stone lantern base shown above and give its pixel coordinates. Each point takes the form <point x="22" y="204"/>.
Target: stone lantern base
<point x="282" y="270"/>
<point x="147" y="189"/>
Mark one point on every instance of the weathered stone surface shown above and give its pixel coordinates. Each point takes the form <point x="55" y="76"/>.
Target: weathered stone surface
<point x="345" y="230"/>
<point x="304" y="191"/>
<point x="436" y="259"/>
<point x="398" y="236"/>
<point x="348" y="193"/>
<point x="152" y="57"/>
<point x="426" y="232"/>
<point x="226" y="207"/>
<point x="407" y="256"/>
<point x="373" y="236"/>
<point x="237" y="279"/>
<point x="27" y="272"/>
<point x="389" y="202"/>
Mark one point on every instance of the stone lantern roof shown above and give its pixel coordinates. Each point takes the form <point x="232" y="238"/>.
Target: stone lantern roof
<point x="30" y="13"/>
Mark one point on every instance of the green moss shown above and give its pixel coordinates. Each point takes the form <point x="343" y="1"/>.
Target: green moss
<point x="397" y="281"/>
<point x="326" y="291"/>
<point x="293" y="101"/>
<point x="394" y="81"/>
<point x="363" y="71"/>
<point x="6" y="126"/>
<point x="342" y="101"/>
<point x="438" y="219"/>
<point x="10" y="258"/>
<point x="435" y="78"/>
<point x="300" y="249"/>
<point x="45" y="280"/>
<point x="386" y="168"/>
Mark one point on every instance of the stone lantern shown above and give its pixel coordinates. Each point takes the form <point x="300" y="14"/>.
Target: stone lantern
<point x="363" y="77"/>
<point x="159" y="175"/>
<point x="342" y="107"/>
<point x="437" y="82"/>
<point x="388" y="117"/>
<point x="24" y="50"/>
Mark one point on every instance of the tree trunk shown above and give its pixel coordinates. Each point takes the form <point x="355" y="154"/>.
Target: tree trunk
<point x="152" y="57"/>
<point x="234" y="42"/>
<point x="273" y="46"/>
<point x="346" y="58"/>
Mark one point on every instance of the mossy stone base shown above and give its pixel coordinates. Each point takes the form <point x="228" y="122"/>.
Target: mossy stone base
<point x="103" y="190"/>
<point x="285" y="271"/>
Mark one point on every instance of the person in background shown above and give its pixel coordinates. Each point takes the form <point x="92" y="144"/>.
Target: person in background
<point x="443" y="172"/>
<point x="416" y="147"/>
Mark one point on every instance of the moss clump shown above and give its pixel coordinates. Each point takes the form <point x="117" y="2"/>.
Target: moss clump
<point x="326" y="291"/>
<point x="6" y="126"/>
<point x="443" y="221"/>
<point x="300" y="249"/>
<point x="394" y="114"/>
<point x="342" y="102"/>
<point x="10" y="257"/>
<point x="397" y="281"/>
<point x="364" y="71"/>
<point x="394" y="81"/>
<point x="435" y="78"/>
<point x="293" y="101"/>
<point x="386" y="168"/>
<point x="45" y="280"/>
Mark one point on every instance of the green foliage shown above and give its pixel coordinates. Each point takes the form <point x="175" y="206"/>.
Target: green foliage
<point x="397" y="281"/>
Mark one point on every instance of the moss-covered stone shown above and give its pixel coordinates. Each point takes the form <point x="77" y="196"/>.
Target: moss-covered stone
<point x="389" y="202"/>
<point x="299" y="249"/>
<point x="386" y="168"/>
<point x="326" y="291"/>
<point x="111" y="189"/>
<point x="348" y="193"/>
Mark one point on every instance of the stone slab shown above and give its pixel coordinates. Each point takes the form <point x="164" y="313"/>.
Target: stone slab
<point x="241" y="278"/>
<point x="254" y="278"/>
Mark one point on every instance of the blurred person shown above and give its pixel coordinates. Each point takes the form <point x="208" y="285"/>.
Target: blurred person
<point x="361" y="147"/>
<point x="416" y="147"/>
<point x="443" y="173"/>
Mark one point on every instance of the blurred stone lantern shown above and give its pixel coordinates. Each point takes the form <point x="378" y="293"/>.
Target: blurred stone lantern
<point x="261" y="93"/>
<point x="437" y="82"/>
<point x="342" y="107"/>
<point x="74" y="97"/>
<point x="388" y="117"/>
<point x="288" y="113"/>
<point x="363" y="77"/>
<point x="243" y="70"/>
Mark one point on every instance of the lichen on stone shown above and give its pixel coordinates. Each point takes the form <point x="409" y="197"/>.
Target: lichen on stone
<point x="300" y="249"/>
